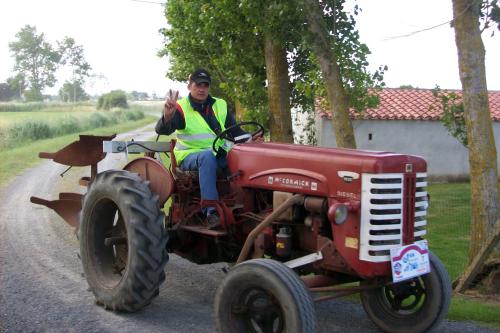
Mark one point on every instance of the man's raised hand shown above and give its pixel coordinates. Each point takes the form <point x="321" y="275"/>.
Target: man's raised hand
<point x="170" y="102"/>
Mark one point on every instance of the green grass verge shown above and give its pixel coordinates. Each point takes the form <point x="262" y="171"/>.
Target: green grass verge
<point x="448" y="230"/>
<point x="465" y="309"/>
<point x="448" y="226"/>
<point x="53" y="116"/>
<point x="16" y="160"/>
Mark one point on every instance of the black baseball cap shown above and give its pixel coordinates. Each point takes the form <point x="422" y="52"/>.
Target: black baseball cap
<point x="200" y="75"/>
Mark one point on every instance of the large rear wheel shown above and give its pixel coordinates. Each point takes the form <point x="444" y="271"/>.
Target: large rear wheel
<point x="265" y="296"/>
<point x="412" y="306"/>
<point x="122" y="241"/>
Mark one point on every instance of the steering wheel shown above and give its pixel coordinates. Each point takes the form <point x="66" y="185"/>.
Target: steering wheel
<point x="224" y="135"/>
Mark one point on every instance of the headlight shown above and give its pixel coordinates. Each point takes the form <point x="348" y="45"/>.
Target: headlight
<point x="337" y="213"/>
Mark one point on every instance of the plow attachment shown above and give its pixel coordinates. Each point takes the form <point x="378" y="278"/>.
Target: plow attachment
<point x="87" y="151"/>
<point x="68" y="207"/>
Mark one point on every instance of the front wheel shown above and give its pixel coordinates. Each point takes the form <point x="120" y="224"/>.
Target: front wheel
<point x="412" y="306"/>
<point x="122" y="241"/>
<point x="263" y="295"/>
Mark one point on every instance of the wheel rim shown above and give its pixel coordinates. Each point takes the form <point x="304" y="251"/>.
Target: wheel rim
<point x="108" y="243"/>
<point x="258" y="312"/>
<point x="406" y="297"/>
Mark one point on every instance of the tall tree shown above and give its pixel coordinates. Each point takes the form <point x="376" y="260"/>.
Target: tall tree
<point x="35" y="59"/>
<point x="72" y="91"/>
<point x="482" y="149"/>
<point x="278" y="90"/>
<point x="73" y="55"/>
<point x="276" y="21"/>
<point x="337" y="96"/>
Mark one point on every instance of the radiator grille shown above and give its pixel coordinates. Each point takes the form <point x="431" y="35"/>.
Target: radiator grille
<point x="421" y="205"/>
<point x="382" y="213"/>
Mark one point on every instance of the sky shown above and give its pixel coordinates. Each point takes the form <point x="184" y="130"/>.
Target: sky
<point x="121" y="40"/>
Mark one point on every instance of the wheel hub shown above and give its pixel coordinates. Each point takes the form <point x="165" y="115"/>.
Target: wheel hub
<point x="405" y="296"/>
<point x="260" y="312"/>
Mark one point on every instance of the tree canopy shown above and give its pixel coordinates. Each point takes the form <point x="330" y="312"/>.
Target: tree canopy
<point x="228" y="37"/>
<point x="35" y="59"/>
<point x="36" y="63"/>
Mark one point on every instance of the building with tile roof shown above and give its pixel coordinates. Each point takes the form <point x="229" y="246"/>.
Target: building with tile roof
<point x="408" y="121"/>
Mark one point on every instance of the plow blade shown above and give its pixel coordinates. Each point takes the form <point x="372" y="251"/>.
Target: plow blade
<point x="86" y="151"/>
<point x="68" y="206"/>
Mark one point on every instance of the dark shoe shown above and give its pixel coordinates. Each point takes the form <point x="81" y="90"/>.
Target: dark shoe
<point x="213" y="221"/>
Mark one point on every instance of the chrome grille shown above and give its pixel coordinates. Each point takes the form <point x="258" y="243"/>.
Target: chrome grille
<point x="421" y="205"/>
<point x="382" y="214"/>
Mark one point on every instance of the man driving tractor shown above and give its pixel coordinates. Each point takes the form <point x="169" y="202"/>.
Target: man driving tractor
<point x="197" y="119"/>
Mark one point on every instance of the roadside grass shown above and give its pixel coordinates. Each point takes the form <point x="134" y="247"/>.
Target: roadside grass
<point x="448" y="230"/>
<point x="19" y="128"/>
<point x="37" y="106"/>
<point x="448" y="227"/>
<point x="463" y="308"/>
<point x="16" y="160"/>
<point x="51" y="116"/>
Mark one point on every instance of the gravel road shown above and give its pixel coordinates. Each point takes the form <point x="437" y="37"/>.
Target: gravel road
<point x="42" y="288"/>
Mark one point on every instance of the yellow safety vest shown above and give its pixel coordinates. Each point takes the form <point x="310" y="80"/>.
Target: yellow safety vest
<point x="197" y="135"/>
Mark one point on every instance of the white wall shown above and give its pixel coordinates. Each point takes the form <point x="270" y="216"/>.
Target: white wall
<point x="446" y="157"/>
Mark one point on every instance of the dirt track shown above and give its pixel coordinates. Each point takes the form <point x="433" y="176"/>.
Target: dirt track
<point x="42" y="288"/>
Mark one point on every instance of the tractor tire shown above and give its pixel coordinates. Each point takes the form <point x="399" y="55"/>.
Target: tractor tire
<point x="416" y="305"/>
<point x="122" y="241"/>
<point x="263" y="295"/>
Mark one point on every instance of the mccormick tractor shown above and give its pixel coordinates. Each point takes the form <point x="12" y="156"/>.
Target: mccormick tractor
<point x="300" y="224"/>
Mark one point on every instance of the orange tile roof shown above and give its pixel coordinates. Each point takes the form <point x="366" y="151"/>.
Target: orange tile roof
<point x="412" y="104"/>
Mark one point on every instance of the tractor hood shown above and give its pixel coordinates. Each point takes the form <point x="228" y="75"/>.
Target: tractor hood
<point x="313" y="170"/>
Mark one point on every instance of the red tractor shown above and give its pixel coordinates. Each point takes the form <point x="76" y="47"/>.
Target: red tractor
<point x="300" y="223"/>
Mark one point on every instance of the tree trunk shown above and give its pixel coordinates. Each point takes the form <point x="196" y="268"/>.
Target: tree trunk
<point x="337" y="97"/>
<point x="239" y="111"/>
<point x="482" y="150"/>
<point x="278" y="91"/>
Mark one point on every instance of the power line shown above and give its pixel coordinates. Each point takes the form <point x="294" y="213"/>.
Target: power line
<point x="430" y="28"/>
<point x="418" y="31"/>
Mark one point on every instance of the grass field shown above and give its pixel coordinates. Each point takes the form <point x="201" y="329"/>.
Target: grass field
<point x="449" y="224"/>
<point x="16" y="160"/>
<point x="24" y="133"/>
<point x="448" y="232"/>
<point x="18" y="128"/>
<point x="39" y="106"/>
<point x="8" y="119"/>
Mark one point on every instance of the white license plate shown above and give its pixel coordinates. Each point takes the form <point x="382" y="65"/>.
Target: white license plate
<point x="410" y="261"/>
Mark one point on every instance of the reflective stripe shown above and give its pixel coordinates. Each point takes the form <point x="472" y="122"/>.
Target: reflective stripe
<point x="191" y="137"/>
<point x="180" y="146"/>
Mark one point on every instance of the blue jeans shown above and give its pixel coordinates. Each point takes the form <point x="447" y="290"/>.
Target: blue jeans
<point x="206" y="164"/>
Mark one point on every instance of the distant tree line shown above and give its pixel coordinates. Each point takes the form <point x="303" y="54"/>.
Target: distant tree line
<point x="36" y="63"/>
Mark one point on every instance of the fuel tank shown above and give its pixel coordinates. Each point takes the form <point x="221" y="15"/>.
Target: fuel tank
<point x="318" y="171"/>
